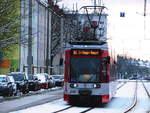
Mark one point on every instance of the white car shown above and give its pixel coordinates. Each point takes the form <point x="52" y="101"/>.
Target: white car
<point x="6" y="88"/>
<point x="43" y="80"/>
<point x="13" y="84"/>
<point x="59" y="80"/>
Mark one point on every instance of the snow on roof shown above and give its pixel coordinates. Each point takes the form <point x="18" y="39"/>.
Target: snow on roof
<point x="3" y="75"/>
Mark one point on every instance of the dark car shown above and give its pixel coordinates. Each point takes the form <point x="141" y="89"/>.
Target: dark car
<point x="21" y="81"/>
<point x="147" y="78"/>
<point x="59" y="80"/>
<point x="34" y="84"/>
<point x="6" y="87"/>
<point x="52" y="81"/>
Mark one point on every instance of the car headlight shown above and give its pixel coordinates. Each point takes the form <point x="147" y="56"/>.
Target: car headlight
<point x="72" y="85"/>
<point x="96" y="85"/>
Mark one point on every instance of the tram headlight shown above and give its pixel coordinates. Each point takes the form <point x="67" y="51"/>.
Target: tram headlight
<point x="96" y="85"/>
<point x="72" y="85"/>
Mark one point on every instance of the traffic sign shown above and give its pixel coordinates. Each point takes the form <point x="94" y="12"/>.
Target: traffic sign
<point x="122" y="14"/>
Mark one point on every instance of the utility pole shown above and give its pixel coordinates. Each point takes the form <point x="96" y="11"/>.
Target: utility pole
<point x="145" y="3"/>
<point x="50" y="42"/>
<point x="47" y="50"/>
<point x="62" y="34"/>
<point x="61" y="42"/>
<point x="94" y="6"/>
<point x="30" y="57"/>
<point x="76" y="7"/>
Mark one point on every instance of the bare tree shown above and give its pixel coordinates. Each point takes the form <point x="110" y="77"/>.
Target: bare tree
<point x="9" y="23"/>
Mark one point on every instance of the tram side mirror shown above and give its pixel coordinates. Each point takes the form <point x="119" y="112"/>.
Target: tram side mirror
<point x="61" y="61"/>
<point x="115" y="62"/>
<point x="106" y="60"/>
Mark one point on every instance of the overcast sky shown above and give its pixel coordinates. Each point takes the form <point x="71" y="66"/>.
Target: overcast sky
<point x="129" y="31"/>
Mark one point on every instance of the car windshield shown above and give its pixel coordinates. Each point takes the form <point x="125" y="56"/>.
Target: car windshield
<point x="3" y="79"/>
<point x="30" y="77"/>
<point x="41" y="77"/>
<point x="18" y="77"/>
<point x="85" y="70"/>
<point x="11" y="78"/>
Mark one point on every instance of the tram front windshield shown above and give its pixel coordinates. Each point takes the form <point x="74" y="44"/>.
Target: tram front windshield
<point x="85" y="70"/>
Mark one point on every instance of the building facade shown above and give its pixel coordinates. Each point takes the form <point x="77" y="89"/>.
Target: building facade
<point x="39" y="35"/>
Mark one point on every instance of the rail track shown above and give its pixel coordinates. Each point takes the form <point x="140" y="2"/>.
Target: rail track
<point x="148" y="93"/>
<point x="128" y="109"/>
<point x="63" y="109"/>
<point x="122" y="85"/>
<point x="88" y="109"/>
<point x="67" y="108"/>
<point x="135" y="97"/>
<point x="134" y="100"/>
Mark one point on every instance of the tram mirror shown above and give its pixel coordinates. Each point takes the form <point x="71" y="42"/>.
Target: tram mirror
<point x="106" y="60"/>
<point x="61" y="61"/>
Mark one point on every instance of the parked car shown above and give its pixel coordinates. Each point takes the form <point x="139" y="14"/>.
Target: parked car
<point x="51" y="82"/>
<point x="21" y="80"/>
<point x="147" y="78"/>
<point x="34" y="84"/>
<point x="59" y="80"/>
<point x="49" y="78"/>
<point x="6" y="87"/>
<point x="14" y="85"/>
<point x="43" y="80"/>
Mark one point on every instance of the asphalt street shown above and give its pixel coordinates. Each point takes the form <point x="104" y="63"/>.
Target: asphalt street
<point x="29" y="101"/>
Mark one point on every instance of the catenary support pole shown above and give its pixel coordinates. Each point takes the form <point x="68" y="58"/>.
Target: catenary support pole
<point x="47" y="49"/>
<point x="30" y="57"/>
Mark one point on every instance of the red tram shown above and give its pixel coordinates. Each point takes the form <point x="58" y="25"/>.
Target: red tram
<point x="90" y="73"/>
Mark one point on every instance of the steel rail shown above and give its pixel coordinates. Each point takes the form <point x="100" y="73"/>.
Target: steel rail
<point x="134" y="100"/>
<point x="87" y="110"/>
<point x="145" y="89"/>
<point x="122" y="85"/>
<point x="63" y="109"/>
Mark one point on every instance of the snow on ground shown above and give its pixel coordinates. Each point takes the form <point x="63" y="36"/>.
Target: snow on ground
<point x="118" y="104"/>
<point x="45" y="108"/>
<point x="123" y="80"/>
<point x="75" y="110"/>
<point x="120" y="82"/>
<point x="147" y="84"/>
<point x="143" y="101"/>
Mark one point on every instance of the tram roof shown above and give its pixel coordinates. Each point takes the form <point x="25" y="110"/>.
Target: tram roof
<point x="88" y="45"/>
